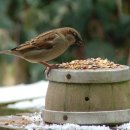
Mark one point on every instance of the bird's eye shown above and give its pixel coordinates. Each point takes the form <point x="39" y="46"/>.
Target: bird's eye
<point x="74" y="33"/>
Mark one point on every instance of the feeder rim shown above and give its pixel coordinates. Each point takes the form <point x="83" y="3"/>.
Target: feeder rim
<point x="90" y="76"/>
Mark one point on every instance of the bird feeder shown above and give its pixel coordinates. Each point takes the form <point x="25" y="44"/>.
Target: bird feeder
<point x="99" y="96"/>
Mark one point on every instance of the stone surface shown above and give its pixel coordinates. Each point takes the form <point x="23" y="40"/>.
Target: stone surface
<point x="12" y="123"/>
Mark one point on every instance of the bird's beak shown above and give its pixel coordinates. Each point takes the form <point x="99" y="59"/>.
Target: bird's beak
<point x="80" y="43"/>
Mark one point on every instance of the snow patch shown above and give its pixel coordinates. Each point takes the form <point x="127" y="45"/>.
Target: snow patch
<point x="24" y="96"/>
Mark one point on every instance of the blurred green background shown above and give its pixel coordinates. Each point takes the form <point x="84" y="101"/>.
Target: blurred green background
<point x="104" y="29"/>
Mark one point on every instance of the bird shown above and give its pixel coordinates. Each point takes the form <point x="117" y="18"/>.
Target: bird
<point x="47" y="46"/>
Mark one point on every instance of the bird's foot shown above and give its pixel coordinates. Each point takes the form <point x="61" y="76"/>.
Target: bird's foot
<point x="50" y="67"/>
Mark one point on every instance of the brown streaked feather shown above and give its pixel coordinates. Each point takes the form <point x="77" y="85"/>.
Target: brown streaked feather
<point x="30" y="47"/>
<point x="41" y="40"/>
<point x="22" y="46"/>
<point x="38" y="43"/>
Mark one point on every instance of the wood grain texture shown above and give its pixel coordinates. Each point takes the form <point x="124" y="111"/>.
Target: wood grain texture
<point x="88" y="97"/>
<point x="88" y="118"/>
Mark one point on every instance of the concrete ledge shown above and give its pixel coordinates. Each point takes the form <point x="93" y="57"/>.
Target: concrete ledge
<point x="12" y="122"/>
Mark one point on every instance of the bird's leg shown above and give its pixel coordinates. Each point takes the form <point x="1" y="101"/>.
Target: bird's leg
<point x="45" y="64"/>
<point x="49" y="66"/>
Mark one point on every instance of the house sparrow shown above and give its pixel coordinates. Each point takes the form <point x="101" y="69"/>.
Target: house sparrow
<point x="46" y="46"/>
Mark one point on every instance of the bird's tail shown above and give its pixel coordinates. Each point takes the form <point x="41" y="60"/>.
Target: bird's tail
<point x="8" y="52"/>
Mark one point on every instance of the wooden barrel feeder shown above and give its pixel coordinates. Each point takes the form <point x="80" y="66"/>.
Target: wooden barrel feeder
<point x="99" y="96"/>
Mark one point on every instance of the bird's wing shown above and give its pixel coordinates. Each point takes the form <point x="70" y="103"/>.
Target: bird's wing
<point x="43" y="41"/>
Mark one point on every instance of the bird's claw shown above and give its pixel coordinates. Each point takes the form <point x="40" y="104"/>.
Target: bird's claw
<point x="48" y="69"/>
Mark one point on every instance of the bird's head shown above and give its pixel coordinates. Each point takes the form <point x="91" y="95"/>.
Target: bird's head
<point x="73" y="36"/>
